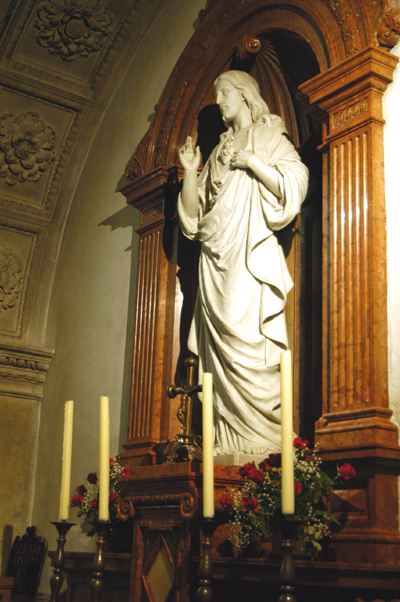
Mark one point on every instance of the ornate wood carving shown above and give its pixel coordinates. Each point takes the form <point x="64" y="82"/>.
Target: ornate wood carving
<point x="388" y="31"/>
<point x="224" y="28"/>
<point x="345" y="18"/>
<point x="356" y="418"/>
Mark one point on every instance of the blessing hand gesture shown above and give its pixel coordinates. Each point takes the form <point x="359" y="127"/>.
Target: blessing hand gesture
<point x="189" y="158"/>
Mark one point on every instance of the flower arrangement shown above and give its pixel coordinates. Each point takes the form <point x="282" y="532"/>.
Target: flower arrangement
<point x="87" y="496"/>
<point x="256" y="507"/>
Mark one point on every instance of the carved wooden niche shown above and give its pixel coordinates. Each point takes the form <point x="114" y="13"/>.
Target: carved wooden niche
<point x="283" y="47"/>
<point x="280" y="59"/>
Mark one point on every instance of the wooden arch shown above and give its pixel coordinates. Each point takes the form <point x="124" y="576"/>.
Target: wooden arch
<point x="333" y="30"/>
<point x="348" y="41"/>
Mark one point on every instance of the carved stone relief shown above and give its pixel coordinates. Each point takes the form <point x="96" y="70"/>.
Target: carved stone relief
<point x="75" y="42"/>
<point x="16" y="252"/>
<point x="73" y="28"/>
<point x="37" y="138"/>
<point x="26" y="147"/>
<point x="11" y="275"/>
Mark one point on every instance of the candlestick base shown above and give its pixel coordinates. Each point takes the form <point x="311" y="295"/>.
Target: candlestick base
<point x="97" y="582"/>
<point x="287" y="572"/>
<point x="56" y="580"/>
<point x="204" y="592"/>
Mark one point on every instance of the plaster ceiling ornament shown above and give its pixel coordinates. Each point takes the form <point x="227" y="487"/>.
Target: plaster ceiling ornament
<point x="26" y="147"/>
<point x="72" y="28"/>
<point x="10" y="277"/>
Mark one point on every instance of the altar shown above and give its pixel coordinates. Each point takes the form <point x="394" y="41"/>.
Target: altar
<point x="337" y="314"/>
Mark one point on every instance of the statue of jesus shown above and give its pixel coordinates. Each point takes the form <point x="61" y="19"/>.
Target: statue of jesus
<point x="252" y="185"/>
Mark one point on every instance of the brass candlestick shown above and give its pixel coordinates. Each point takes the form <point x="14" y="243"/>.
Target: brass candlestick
<point x="287" y="572"/>
<point x="204" y="592"/>
<point x="187" y="445"/>
<point x="97" y="582"/>
<point x="56" y="580"/>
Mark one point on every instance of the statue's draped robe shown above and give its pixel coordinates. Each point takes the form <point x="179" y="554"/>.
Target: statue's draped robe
<point x="238" y="328"/>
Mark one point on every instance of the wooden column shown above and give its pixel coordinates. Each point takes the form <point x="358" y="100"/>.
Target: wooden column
<point x="356" y="425"/>
<point x="154" y="194"/>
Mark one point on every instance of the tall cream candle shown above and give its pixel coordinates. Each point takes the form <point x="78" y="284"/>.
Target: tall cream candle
<point x="66" y="460"/>
<point x="208" y="458"/>
<point x="104" y="462"/>
<point x="287" y="433"/>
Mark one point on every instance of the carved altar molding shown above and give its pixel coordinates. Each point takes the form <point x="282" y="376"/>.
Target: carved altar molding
<point x="186" y="502"/>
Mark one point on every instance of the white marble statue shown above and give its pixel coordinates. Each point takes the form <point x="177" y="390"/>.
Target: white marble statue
<point x="252" y="184"/>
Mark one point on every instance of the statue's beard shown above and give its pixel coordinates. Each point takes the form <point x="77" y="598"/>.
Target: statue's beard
<point x="227" y="118"/>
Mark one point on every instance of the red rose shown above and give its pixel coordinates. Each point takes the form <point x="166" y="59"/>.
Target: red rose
<point x="244" y="470"/>
<point x="81" y="489"/>
<point x="94" y="503"/>
<point x="76" y="501"/>
<point x="298" y="488"/>
<point x="113" y="496"/>
<point x="226" y="501"/>
<point x="127" y="472"/>
<point x="274" y="460"/>
<point x="111" y="462"/>
<point x="92" y="478"/>
<point x="300" y="443"/>
<point x="264" y="465"/>
<point x="250" y="503"/>
<point x="347" y="471"/>
<point x="250" y="471"/>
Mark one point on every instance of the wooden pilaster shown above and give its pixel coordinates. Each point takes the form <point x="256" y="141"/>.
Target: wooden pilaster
<point x="153" y="194"/>
<point x="355" y="424"/>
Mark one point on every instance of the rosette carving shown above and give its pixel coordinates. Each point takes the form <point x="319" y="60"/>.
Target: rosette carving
<point x="10" y="277"/>
<point x="125" y="508"/>
<point x="187" y="505"/>
<point x="72" y="28"/>
<point x="26" y="147"/>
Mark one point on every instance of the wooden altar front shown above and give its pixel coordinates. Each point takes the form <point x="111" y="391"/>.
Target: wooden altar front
<point x="342" y="67"/>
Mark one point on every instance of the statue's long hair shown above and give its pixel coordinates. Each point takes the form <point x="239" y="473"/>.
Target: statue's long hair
<point x="250" y="90"/>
